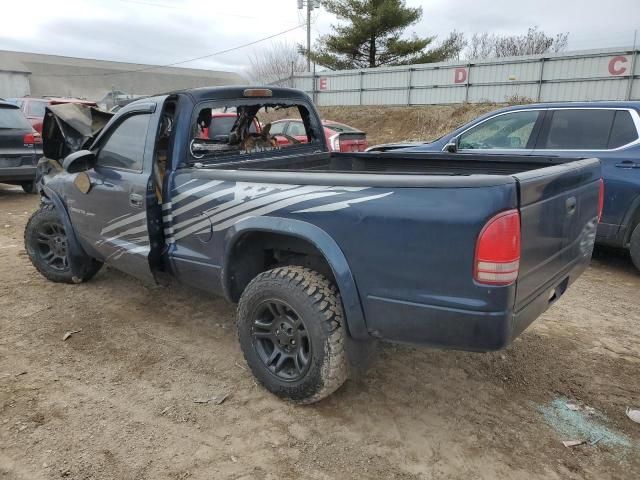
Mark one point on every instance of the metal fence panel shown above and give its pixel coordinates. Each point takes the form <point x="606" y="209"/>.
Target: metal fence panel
<point x="607" y="74"/>
<point x="437" y="96"/>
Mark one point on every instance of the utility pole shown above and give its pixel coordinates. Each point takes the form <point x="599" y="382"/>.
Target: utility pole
<point x="309" y="7"/>
<point x="634" y="60"/>
<point x="310" y="4"/>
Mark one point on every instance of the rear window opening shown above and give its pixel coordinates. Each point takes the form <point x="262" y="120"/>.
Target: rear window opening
<point x="244" y="130"/>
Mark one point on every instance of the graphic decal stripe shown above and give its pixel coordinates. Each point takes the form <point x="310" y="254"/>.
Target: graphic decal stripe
<point x="243" y="200"/>
<point x="236" y="202"/>
<point x="199" y="188"/>
<point x="126" y="221"/>
<point x="227" y="219"/>
<point x="246" y="206"/>
<point x="273" y="207"/>
<point x="177" y="187"/>
<point x="139" y="229"/>
<point x="332" y="207"/>
<point x="118" y="218"/>
<point x="201" y="201"/>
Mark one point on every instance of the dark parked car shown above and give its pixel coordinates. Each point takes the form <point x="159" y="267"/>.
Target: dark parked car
<point x="607" y="130"/>
<point x="20" y="148"/>
<point x="323" y="251"/>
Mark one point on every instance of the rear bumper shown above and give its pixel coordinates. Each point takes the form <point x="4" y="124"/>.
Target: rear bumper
<point x="460" y="329"/>
<point x="24" y="173"/>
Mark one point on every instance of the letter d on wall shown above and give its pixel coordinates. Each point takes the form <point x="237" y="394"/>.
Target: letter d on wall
<point x="460" y="75"/>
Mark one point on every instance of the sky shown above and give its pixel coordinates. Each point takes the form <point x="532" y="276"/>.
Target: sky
<point x="168" y="31"/>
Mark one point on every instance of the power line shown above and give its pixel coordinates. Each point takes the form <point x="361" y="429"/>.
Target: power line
<point x="173" y="7"/>
<point x="181" y="62"/>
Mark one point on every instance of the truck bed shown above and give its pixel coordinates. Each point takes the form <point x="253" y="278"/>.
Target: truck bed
<point x="428" y="205"/>
<point x="400" y="163"/>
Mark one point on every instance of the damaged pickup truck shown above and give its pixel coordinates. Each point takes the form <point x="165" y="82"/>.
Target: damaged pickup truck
<point x="323" y="252"/>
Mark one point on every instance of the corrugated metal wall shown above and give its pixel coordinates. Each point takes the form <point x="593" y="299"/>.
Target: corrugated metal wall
<point x="609" y="74"/>
<point x="14" y="84"/>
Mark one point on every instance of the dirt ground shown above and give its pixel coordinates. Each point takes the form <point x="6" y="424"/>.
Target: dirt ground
<point x="116" y="399"/>
<point x="384" y="124"/>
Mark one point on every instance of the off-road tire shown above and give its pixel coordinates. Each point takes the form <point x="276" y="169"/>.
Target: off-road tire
<point x="634" y="246"/>
<point x="29" y="187"/>
<point x="318" y="304"/>
<point x="42" y="218"/>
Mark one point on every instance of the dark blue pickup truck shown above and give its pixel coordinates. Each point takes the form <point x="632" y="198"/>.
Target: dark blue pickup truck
<point x="323" y="252"/>
<point x="607" y="130"/>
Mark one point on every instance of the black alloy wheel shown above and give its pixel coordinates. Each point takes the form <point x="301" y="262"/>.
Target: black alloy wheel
<point x="52" y="246"/>
<point x="281" y="340"/>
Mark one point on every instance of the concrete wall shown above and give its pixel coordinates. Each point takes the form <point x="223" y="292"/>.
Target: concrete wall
<point x="607" y="74"/>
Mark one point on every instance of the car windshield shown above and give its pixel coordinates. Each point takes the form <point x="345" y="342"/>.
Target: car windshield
<point x="37" y="109"/>
<point x="11" y="117"/>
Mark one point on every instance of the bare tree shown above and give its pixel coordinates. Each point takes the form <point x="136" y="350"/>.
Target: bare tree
<point x="275" y="63"/>
<point x="535" y="41"/>
<point x="481" y="45"/>
<point x="451" y="47"/>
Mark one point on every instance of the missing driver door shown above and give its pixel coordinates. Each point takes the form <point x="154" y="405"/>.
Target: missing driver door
<point x="112" y="217"/>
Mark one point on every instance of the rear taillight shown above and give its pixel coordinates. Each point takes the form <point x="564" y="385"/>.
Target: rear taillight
<point x="600" y="199"/>
<point x="497" y="258"/>
<point x="334" y="142"/>
<point x="32" y="138"/>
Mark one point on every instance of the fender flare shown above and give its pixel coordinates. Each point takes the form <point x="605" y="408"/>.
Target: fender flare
<point x="77" y="255"/>
<point x="354" y="315"/>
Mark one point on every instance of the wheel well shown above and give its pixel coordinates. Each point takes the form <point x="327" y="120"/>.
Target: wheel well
<point x="257" y="252"/>
<point x="633" y="222"/>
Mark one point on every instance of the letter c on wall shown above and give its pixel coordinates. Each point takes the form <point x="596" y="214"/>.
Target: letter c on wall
<point x="460" y="75"/>
<point x="615" y="65"/>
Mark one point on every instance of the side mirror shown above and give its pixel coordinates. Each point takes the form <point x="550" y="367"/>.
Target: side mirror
<point x="452" y="146"/>
<point x="79" y="161"/>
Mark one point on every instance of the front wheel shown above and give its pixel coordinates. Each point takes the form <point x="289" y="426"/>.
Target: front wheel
<point x="291" y="331"/>
<point x="634" y="247"/>
<point x="46" y="242"/>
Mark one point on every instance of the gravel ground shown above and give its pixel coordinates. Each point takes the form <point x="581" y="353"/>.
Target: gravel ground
<point x="116" y="399"/>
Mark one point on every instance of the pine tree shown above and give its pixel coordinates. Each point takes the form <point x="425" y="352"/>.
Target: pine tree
<point x="369" y="35"/>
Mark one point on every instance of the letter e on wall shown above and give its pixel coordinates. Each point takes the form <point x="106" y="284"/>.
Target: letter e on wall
<point x="617" y="65"/>
<point x="323" y="83"/>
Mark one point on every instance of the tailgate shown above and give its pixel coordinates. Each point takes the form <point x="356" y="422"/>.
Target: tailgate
<point x="558" y="211"/>
<point x="13" y="151"/>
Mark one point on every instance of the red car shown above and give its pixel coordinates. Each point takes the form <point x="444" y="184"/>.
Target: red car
<point x="33" y="108"/>
<point x="340" y="137"/>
